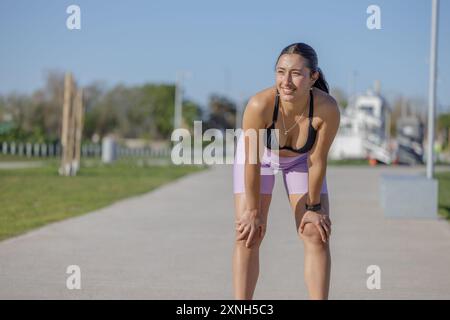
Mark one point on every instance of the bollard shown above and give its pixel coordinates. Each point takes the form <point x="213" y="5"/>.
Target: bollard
<point x="108" y="150"/>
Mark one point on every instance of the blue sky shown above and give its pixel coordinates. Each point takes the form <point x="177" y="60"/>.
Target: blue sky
<point x="228" y="47"/>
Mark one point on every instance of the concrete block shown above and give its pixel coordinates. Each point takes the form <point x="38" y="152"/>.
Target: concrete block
<point x="409" y="196"/>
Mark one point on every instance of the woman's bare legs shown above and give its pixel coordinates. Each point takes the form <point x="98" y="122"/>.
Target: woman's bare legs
<point x="246" y="260"/>
<point x="317" y="253"/>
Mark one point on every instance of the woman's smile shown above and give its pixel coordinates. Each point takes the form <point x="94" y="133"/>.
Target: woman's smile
<point x="288" y="90"/>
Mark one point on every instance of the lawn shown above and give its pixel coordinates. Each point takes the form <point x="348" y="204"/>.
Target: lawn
<point x="444" y="194"/>
<point x="349" y="162"/>
<point x="30" y="198"/>
<point x="11" y="158"/>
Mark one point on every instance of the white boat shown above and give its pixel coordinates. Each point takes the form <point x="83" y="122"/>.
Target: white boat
<point x="364" y="130"/>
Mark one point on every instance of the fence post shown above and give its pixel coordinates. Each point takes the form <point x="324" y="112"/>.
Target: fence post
<point x="51" y="149"/>
<point x="36" y="150"/>
<point x="44" y="150"/>
<point x="5" y="147"/>
<point x="29" y="149"/>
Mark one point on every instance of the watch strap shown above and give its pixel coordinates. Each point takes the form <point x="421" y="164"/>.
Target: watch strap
<point x="313" y="207"/>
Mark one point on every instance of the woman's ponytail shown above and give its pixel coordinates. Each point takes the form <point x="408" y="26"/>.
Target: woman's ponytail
<point x="321" y="83"/>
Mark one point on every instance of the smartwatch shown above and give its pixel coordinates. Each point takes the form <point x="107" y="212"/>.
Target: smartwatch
<point x="313" y="207"/>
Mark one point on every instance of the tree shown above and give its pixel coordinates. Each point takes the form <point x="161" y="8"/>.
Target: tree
<point x="132" y="112"/>
<point x="137" y="112"/>
<point x="191" y="112"/>
<point x="222" y="113"/>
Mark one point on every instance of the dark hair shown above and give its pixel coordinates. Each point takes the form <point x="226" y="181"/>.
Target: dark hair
<point x="308" y="53"/>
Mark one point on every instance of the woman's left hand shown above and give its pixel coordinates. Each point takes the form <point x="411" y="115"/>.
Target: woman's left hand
<point x="320" y="220"/>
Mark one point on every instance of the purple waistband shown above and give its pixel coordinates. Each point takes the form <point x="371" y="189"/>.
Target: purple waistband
<point x="274" y="160"/>
<point x="271" y="158"/>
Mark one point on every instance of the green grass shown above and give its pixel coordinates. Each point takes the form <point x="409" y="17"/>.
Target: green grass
<point x="444" y="194"/>
<point x="30" y="198"/>
<point x="11" y="158"/>
<point x="348" y="162"/>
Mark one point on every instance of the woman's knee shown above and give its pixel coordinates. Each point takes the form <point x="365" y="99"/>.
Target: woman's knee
<point x="311" y="234"/>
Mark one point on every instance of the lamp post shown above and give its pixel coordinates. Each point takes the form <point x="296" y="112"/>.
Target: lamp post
<point x="178" y="101"/>
<point x="179" y="90"/>
<point x="432" y="87"/>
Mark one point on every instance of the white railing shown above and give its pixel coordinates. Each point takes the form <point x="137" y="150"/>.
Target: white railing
<point x="87" y="150"/>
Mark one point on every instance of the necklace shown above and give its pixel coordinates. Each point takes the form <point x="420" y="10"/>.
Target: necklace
<point x="286" y="131"/>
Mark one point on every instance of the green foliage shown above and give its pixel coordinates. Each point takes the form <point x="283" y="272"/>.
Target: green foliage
<point x="443" y="121"/>
<point x="161" y="100"/>
<point x="138" y="112"/>
<point x="443" y="125"/>
<point x="128" y="111"/>
<point x="444" y="194"/>
<point x="222" y="112"/>
<point x="191" y="113"/>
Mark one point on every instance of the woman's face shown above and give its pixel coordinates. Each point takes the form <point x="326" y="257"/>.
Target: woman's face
<point x="293" y="78"/>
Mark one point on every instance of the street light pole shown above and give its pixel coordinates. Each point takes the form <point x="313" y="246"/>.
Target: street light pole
<point x="178" y="101"/>
<point x="432" y="88"/>
<point x="239" y="110"/>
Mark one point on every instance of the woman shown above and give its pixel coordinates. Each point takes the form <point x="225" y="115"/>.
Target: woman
<point x="297" y="145"/>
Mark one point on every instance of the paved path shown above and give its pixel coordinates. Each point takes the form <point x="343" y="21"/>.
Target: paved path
<point x="176" y="243"/>
<point x="6" y="165"/>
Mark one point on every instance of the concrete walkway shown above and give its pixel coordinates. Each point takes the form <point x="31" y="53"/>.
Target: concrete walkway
<point x="176" y="243"/>
<point x="8" y="165"/>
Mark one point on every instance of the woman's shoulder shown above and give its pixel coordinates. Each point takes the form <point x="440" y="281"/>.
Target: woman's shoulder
<point x="261" y="104"/>
<point x="325" y="106"/>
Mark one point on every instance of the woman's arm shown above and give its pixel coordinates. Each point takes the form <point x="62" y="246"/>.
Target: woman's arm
<point x="252" y="122"/>
<point x="250" y="225"/>
<point x="317" y="160"/>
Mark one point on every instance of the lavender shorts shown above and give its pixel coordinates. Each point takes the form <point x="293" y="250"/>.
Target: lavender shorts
<point x="294" y="169"/>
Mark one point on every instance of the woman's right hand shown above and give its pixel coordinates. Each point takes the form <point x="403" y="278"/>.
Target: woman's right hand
<point x="250" y="225"/>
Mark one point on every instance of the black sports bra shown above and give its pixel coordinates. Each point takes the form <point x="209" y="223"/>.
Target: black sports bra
<point x="311" y="131"/>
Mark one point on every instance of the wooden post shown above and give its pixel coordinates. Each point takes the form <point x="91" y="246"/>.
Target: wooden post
<point x="67" y="106"/>
<point x="70" y="150"/>
<point x="72" y="127"/>
<point x="79" y="119"/>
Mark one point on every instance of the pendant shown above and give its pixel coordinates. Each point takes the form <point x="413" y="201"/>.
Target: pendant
<point x="285" y="132"/>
